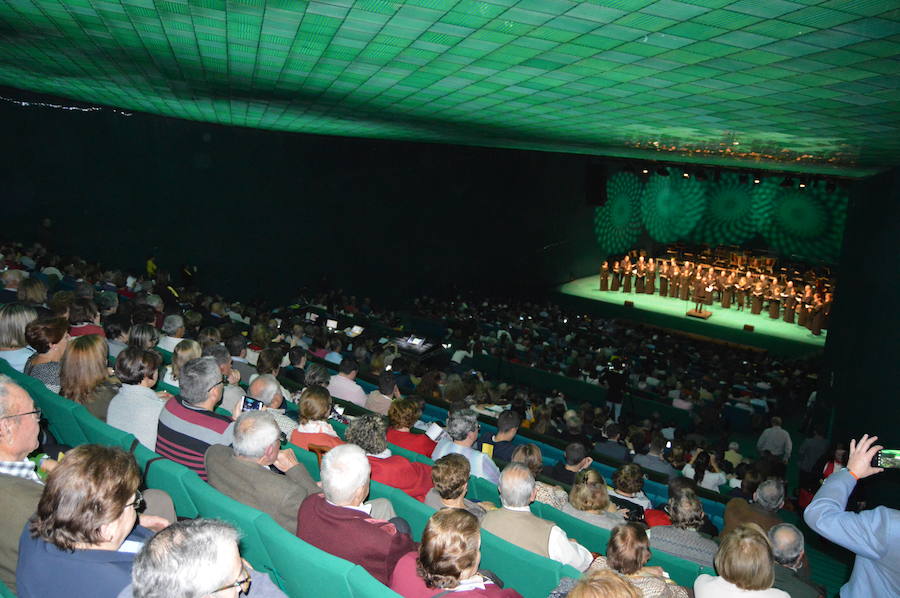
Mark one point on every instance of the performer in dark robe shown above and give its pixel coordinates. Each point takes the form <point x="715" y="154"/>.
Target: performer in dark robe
<point x="664" y="279"/>
<point x="804" y="306"/>
<point x="756" y="298"/>
<point x="699" y="284"/>
<point x="650" y="287"/>
<point x="674" y="282"/>
<point x="741" y="290"/>
<point x="710" y="279"/>
<point x="684" y="292"/>
<point x="775" y="301"/>
<point x="640" y="275"/>
<point x="826" y="310"/>
<point x="616" y="276"/>
<point x="728" y="291"/>
<point x="817" y="316"/>
<point x="789" y="302"/>
<point x="604" y="276"/>
<point x="626" y="281"/>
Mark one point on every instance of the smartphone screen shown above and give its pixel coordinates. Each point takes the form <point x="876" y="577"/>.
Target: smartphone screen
<point x="251" y="404"/>
<point x="889" y="458"/>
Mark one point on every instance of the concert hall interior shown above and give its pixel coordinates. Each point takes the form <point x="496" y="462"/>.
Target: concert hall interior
<point x="674" y="219"/>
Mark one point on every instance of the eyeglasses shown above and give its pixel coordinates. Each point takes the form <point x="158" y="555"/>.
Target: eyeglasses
<point x="139" y="503"/>
<point x="243" y="582"/>
<point x="222" y="382"/>
<point x="36" y="412"/>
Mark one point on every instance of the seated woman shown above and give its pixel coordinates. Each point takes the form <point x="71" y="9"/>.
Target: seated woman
<point x="369" y="432"/>
<point x="628" y="484"/>
<point x="269" y="362"/>
<point x="136" y="407"/>
<point x="143" y="336"/>
<point x="49" y="337"/>
<point x="599" y="584"/>
<point x="185" y="351"/>
<point x="403" y="415"/>
<point x="450" y="477"/>
<point x="84" y="318"/>
<point x="447" y="561"/>
<point x="745" y="567"/>
<point x="84" y="536"/>
<point x="589" y="501"/>
<point x="13" y="344"/>
<point x="627" y="554"/>
<point x="530" y="456"/>
<point x="705" y="471"/>
<point x="683" y="537"/>
<point x="84" y="375"/>
<point x="314" y="429"/>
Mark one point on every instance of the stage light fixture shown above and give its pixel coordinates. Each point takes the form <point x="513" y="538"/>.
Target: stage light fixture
<point x="645" y="171"/>
<point x="686" y="175"/>
<point x="787" y="182"/>
<point x="662" y="171"/>
<point x="802" y="185"/>
<point x="757" y="179"/>
<point x="742" y="178"/>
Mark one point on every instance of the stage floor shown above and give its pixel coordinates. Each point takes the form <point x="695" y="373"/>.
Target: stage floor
<point x="726" y="324"/>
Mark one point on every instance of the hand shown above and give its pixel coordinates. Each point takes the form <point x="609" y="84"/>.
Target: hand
<point x="585" y="463"/>
<point x="234" y="377"/>
<point x="286" y="460"/>
<point x="153" y="522"/>
<point x="49" y="465"/>
<point x="163" y="394"/>
<point x="861" y="453"/>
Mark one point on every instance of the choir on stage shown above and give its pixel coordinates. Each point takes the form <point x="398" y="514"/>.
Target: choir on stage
<point x="753" y="291"/>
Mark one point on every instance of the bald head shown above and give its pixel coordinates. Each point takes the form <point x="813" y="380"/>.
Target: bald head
<point x="266" y="388"/>
<point x="19" y="427"/>
<point x="787" y="544"/>
<point x="516" y="486"/>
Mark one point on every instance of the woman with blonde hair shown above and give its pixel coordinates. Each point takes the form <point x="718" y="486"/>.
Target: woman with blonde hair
<point x="13" y="344"/>
<point x="745" y="566"/>
<point x="314" y="429"/>
<point x="185" y="351"/>
<point x="589" y="501"/>
<point x="530" y="456"/>
<point x="84" y="376"/>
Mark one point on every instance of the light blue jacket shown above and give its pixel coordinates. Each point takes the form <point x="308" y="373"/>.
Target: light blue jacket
<point x="480" y="464"/>
<point x="873" y="535"/>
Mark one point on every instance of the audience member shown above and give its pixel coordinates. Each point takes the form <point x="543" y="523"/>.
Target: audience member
<point x="11" y="279"/>
<point x="763" y="510"/>
<point x="33" y="293"/>
<point x="343" y="385"/>
<point x="296" y="370"/>
<point x="683" y="538"/>
<point x="612" y="447"/>
<point x="705" y="471"/>
<point x="314" y="429"/>
<point x="267" y="390"/>
<point x="576" y="460"/>
<point x="461" y="434"/>
<point x="380" y="399"/>
<point x="232" y="393"/>
<point x="776" y="441"/>
<point x="628" y="484"/>
<point x="603" y="584"/>
<point x="402" y="416"/>
<point x="84" y="374"/>
<point x="145" y="336"/>
<point x="745" y="567"/>
<point x="530" y="456"/>
<point x="49" y="338"/>
<point x="237" y="348"/>
<point x="243" y="471"/>
<point x="116" y="329"/>
<point x="660" y="515"/>
<point x="13" y="344"/>
<point x="589" y="501"/>
<point x="516" y="524"/>
<point x="173" y="332"/>
<point x="653" y="460"/>
<point x="450" y="480"/>
<point x="84" y="318"/>
<point x="788" y="552"/>
<point x="809" y="455"/>
<point x="508" y="423"/>
<point x="136" y="407"/>
<point x="183" y="352"/>
<point x="733" y="454"/>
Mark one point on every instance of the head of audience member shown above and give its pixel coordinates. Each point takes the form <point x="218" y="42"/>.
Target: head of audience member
<point x="317" y="375"/>
<point x="83" y="311"/>
<point x="345" y="475"/>
<point x="297" y="356"/>
<point x="142" y="313"/>
<point x="701" y="465"/>
<point x="257" y="438"/>
<point x="191" y="559"/>
<point x="604" y="583"/>
<point x="462" y="427"/>
<point x="138" y="367"/>
<point x="516" y="486"/>
<point x="201" y="383"/>
<point x="787" y="545"/>
<point x="60" y="302"/>
<point x="628" y="549"/>
<point x="116" y="329"/>
<point x="685" y="510"/>
<point x="387" y="385"/>
<point x="628" y="479"/>
<point x="750" y="482"/>
<point x="267" y="390"/>
<point x="589" y="493"/>
<point x="657" y="446"/>
<point x="269" y="361"/>
<point x="450" y="551"/>
<point x="508" y="425"/>
<point x="144" y="336"/>
<point x="530" y="456"/>
<point x="156" y="302"/>
<point x="450" y="476"/>
<point x="209" y="336"/>
<point x="315" y="404"/>
<point x="369" y="432"/>
<point x="13" y="320"/>
<point x="185" y="351"/>
<point x="221" y="356"/>
<point x="403" y="414"/>
<point x="107" y="303"/>
<point x="577" y="457"/>
<point x="769" y="495"/>
<point x="91" y="500"/>
<point x="83" y="367"/>
<point x="260" y="335"/>
<point x="348" y="368"/>
<point x="48" y="336"/>
<point x="12" y="279"/>
<point x="173" y="326"/>
<point x="217" y="308"/>
<point x="32" y="292"/>
<point x="745" y="558"/>
<point x="237" y="346"/>
<point x="19" y="421"/>
<point x="613" y="432"/>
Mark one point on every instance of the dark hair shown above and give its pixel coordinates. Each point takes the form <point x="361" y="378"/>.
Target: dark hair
<point x="450" y="546"/>
<point x="348" y="366"/>
<point x="295" y="354"/>
<point x="449" y="475"/>
<point x="369" y="432"/>
<point x="115" y="326"/>
<point x="386" y="383"/>
<point x="612" y="430"/>
<point x="529" y="455"/>
<point x="209" y="336"/>
<point x="235" y="345"/>
<point x="575" y="453"/>
<point x="508" y="420"/>
<point x="269" y="361"/>
<point x="134" y="364"/>
<point x="143" y="314"/>
<point x="403" y="413"/>
<point x="82" y="310"/>
<point x="700" y="465"/>
<point x="43" y="332"/>
<point x="629" y="478"/>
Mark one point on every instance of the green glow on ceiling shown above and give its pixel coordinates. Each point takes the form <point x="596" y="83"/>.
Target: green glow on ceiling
<point x="805" y="85"/>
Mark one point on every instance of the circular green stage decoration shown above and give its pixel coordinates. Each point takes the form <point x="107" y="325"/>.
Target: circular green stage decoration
<point x="672" y="205"/>
<point x="807" y="223"/>
<point x="617" y="224"/>
<point x="736" y="210"/>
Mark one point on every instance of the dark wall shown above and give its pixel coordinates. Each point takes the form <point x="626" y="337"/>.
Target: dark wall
<point x="863" y="349"/>
<point x="263" y="212"/>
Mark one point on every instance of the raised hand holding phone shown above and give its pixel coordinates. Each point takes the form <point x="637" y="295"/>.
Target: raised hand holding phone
<point x="861" y="453"/>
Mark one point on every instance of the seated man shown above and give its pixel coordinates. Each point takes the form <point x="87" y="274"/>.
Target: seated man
<point x="515" y="523"/>
<point x="173" y="332"/>
<point x="243" y="471"/>
<point x="763" y="510"/>
<point x="339" y="523"/>
<point x="187" y="424"/>
<point x="576" y="459"/>
<point x="612" y="447"/>
<point x="380" y="399"/>
<point x="788" y="552"/>
<point x="196" y="557"/>
<point x="233" y="393"/>
<point x="267" y="390"/>
<point x="450" y="476"/>
<point x="462" y="432"/>
<point x="508" y="424"/>
<point x="343" y="384"/>
<point x="653" y="460"/>
<point x="237" y="348"/>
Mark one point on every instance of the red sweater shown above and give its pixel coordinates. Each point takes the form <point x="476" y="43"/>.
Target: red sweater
<point x="417" y="443"/>
<point x="400" y="473"/>
<point x="376" y="544"/>
<point x="408" y="584"/>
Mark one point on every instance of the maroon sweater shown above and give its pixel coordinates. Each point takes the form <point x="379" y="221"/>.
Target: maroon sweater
<point x="376" y="545"/>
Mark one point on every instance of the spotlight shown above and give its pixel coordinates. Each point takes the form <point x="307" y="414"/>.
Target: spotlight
<point x="645" y="171"/>
<point x="742" y="178"/>
<point x="802" y="185"/>
<point x="662" y="171"/>
<point x="787" y="182"/>
<point x="756" y="178"/>
<point x="686" y="175"/>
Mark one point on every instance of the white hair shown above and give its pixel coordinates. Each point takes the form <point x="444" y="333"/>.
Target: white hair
<point x="461" y="423"/>
<point x="516" y="485"/>
<point x="254" y="432"/>
<point x="769" y="495"/>
<point x="264" y="388"/>
<point x="345" y="469"/>
<point x="787" y="543"/>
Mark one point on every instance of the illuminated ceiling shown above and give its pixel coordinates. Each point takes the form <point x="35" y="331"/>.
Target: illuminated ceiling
<point x="806" y="85"/>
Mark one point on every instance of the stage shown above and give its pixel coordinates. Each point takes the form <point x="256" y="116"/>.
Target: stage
<point x="776" y="336"/>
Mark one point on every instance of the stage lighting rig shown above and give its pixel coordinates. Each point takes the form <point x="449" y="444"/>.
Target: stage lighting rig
<point x="757" y="179"/>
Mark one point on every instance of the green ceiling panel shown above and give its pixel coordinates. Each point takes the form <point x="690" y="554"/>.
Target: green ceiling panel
<point x="804" y="85"/>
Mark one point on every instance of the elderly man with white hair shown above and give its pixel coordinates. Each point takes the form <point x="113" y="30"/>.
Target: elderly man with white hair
<point x="173" y="332"/>
<point x="243" y="471"/>
<point x="516" y="524"/>
<point x="267" y="390"/>
<point x="339" y="523"/>
<point x="762" y="510"/>
<point x="788" y="552"/>
<point x="461" y="434"/>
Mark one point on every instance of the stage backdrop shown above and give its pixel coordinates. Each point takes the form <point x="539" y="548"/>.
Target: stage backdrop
<point x="726" y="209"/>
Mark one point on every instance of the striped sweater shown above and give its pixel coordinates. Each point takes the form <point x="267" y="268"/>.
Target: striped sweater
<point x="185" y="432"/>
